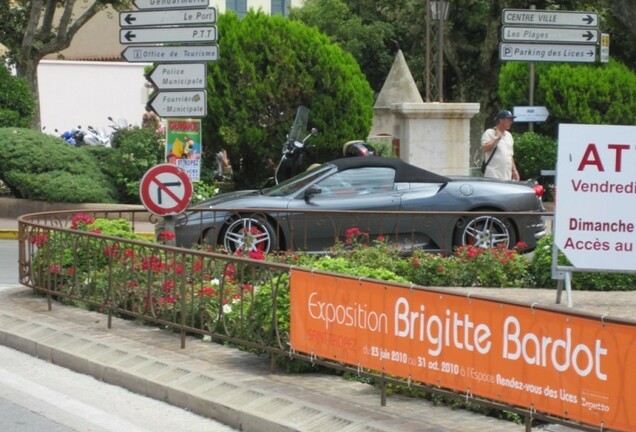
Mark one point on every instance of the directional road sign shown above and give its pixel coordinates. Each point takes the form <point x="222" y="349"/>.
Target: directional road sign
<point x="531" y="17"/>
<point x="530" y="113"/>
<point x="180" y="103"/>
<point x="547" y="52"/>
<point x="165" y="190"/>
<point x="170" y="54"/>
<point x="170" y="4"/>
<point x="167" y="35"/>
<point x="549" y="34"/>
<point x="178" y="76"/>
<point x="167" y="17"/>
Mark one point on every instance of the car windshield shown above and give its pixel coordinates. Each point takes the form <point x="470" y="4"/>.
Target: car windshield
<point x="294" y="184"/>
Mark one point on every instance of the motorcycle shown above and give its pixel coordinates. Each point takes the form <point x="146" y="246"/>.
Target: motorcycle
<point x="291" y="160"/>
<point x="103" y="137"/>
<point x="74" y="137"/>
<point x="97" y="137"/>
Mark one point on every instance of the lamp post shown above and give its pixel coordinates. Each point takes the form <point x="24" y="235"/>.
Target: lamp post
<point x="437" y="13"/>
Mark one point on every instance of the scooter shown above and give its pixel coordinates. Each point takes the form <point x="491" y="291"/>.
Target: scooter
<point x="291" y="159"/>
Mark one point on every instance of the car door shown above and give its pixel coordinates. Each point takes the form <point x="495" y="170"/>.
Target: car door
<point x="343" y="201"/>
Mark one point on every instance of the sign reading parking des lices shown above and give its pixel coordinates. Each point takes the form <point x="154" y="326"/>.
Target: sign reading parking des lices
<point x="595" y="218"/>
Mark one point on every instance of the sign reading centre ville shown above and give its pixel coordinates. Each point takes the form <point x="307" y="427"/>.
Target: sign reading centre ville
<point x="595" y="219"/>
<point x="568" y="365"/>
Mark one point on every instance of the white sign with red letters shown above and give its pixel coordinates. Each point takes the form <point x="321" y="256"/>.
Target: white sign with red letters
<point x="595" y="215"/>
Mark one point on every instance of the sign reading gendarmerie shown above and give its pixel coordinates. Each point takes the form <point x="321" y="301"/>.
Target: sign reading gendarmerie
<point x="595" y="216"/>
<point x="170" y="4"/>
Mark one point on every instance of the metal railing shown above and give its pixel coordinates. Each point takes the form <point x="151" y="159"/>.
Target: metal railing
<point x="196" y="291"/>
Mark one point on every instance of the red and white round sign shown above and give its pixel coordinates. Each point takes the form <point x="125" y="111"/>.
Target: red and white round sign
<point x="165" y="190"/>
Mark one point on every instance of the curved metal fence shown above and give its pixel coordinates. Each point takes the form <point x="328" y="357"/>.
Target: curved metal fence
<point x="116" y="269"/>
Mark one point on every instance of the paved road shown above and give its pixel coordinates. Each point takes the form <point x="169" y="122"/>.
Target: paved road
<point x="8" y="262"/>
<point x="38" y="396"/>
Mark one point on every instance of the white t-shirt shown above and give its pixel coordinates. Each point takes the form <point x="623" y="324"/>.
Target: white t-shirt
<point x="500" y="166"/>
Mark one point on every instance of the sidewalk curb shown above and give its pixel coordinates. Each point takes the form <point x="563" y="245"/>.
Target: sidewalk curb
<point x="8" y="234"/>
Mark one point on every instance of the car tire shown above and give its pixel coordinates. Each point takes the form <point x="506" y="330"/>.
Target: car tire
<point x="249" y="233"/>
<point x="484" y="231"/>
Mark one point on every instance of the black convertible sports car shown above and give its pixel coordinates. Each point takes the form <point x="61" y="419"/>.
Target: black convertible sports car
<point x="379" y="196"/>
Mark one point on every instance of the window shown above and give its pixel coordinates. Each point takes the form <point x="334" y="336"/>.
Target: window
<point x="357" y="182"/>
<point x="239" y="7"/>
<point x="280" y="7"/>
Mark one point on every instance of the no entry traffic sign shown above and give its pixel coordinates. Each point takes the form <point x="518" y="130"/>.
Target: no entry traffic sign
<point x="165" y="190"/>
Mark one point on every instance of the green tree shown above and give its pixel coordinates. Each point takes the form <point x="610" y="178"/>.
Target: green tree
<point x="574" y="93"/>
<point x="32" y="29"/>
<point x="372" y="43"/>
<point x="268" y="67"/>
<point x="16" y="104"/>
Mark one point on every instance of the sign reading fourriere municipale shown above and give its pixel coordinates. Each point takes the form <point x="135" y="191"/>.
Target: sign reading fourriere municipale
<point x="179" y="103"/>
<point x="595" y="218"/>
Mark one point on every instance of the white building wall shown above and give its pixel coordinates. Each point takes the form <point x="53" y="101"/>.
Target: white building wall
<point x="87" y="93"/>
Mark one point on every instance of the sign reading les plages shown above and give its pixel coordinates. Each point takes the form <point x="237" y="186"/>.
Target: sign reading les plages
<point x="570" y="366"/>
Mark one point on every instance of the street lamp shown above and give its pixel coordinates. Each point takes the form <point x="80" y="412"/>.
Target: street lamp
<point x="436" y="11"/>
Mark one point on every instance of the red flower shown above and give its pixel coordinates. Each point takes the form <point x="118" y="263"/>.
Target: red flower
<point x="166" y="235"/>
<point x="112" y="251"/>
<point x="81" y="221"/>
<point x="70" y="272"/>
<point x="415" y="262"/>
<point x="207" y="291"/>
<point x="55" y="268"/>
<point x="39" y="239"/>
<point x="256" y="255"/>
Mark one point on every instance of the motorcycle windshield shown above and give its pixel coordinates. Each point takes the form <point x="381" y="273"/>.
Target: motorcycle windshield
<point x="299" y="128"/>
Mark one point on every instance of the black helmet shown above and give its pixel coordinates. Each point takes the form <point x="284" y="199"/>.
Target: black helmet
<point x="358" y="148"/>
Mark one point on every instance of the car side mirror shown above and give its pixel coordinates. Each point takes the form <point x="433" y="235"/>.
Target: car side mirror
<point x="312" y="191"/>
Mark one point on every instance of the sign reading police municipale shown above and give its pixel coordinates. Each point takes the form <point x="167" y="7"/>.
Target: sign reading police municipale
<point x="595" y="217"/>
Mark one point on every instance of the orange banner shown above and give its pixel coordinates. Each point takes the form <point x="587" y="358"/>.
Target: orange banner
<point x="578" y="368"/>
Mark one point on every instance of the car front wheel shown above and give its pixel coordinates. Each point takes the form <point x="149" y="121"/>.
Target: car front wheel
<point x="249" y="234"/>
<point x="484" y="232"/>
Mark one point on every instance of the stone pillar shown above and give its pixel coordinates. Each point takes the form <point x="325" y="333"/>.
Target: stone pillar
<point x="436" y="136"/>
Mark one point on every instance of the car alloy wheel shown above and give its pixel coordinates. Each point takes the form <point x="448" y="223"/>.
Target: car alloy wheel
<point x="249" y="234"/>
<point x="484" y="232"/>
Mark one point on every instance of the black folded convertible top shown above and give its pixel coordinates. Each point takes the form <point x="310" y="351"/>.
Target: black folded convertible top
<point x="404" y="173"/>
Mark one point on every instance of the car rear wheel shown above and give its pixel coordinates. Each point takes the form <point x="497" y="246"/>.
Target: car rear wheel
<point x="485" y="232"/>
<point x="249" y="234"/>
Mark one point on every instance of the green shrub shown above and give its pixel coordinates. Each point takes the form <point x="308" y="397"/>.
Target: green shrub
<point x="134" y="152"/>
<point x="540" y="273"/>
<point x="573" y="93"/>
<point x="43" y="167"/>
<point x="533" y="153"/>
<point x="16" y="104"/>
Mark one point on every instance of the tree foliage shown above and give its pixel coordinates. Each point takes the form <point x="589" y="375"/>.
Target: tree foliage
<point x="372" y="43"/>
<point x="586" y="94"/>
<point x="16" y="104"/>
<point x="32" y="29"/>
<point x="268" y="67"/>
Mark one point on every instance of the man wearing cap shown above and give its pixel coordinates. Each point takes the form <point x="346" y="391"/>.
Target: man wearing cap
<point x="501" y="163"/>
